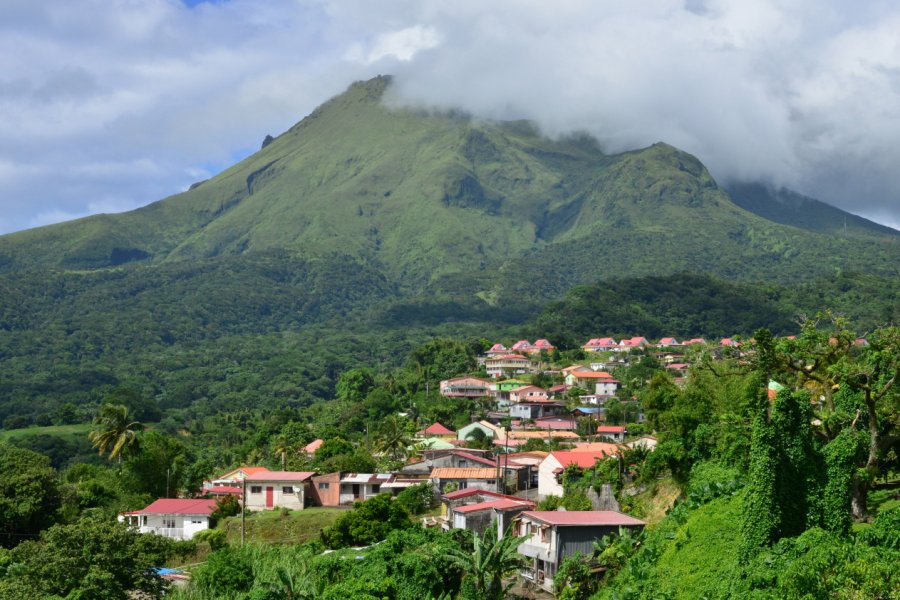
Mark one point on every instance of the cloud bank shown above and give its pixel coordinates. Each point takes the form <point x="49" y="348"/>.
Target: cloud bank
<point x="110" y="105"/>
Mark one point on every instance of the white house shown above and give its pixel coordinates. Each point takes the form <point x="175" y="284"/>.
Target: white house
<point x="615" y="433"/>
<point x="177" y="518"/>
<point x="507" y="364"/>
<point x="281" y="489"/>
<point x="556" y="462"/>
<point x="551" y="536"/>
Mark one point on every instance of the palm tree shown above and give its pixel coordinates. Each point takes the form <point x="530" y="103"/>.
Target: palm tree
<point x="489" y="562"/>
<point x="393" y="437"/>
<point x="282" y="445"/>
<point x="114" y="431"/>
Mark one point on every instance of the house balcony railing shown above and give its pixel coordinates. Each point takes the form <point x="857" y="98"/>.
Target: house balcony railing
<point x="169" y="532"/>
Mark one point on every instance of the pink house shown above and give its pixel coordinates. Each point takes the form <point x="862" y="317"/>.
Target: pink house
<point x="635" y="342"/>
<point x="600" y="345"/>
<point x="667" y="341"/>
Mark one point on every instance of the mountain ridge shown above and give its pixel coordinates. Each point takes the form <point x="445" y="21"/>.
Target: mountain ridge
<point x="428" y="197"/>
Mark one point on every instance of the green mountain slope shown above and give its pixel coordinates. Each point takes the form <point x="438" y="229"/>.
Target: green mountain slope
<point x="429" y="199"/>
<point x="790" y="208"/>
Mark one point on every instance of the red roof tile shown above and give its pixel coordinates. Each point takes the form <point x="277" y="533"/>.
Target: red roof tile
<point x="501" y="504"/>
<point x="178" y="506"/>
<point x="437" y="429"/>
<point x="475" y="491"/>
<point x="610" y="429"/>
<point x="581" y="517"/>
<point x="580" y="459"/>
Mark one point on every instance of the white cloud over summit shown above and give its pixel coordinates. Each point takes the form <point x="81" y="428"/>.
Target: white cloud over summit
<point x="108" y="105"/>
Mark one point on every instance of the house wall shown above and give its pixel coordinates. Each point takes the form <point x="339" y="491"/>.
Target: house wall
<point x="280" y="498"/>
<point x="325" y="490"/>
<point x="607" y="389"/>
<point x="182" y="527"/>
<point x="463" y="432"/>
<point x="547" y="483"/>
<point x="350" y="494"/>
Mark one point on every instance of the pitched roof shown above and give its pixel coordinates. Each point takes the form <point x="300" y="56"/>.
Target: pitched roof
<point x="463" y="473"/>
<point x="542" y="343"/>
<point x="604" y="447"/>
<point x="611" y="429"/>
<point x="178" y="506"/>
<point x="223" y="489"/>
<point x="581" y="517"/>
<point x="498" y="348"/>
<point x="475" y="491"/>
<point x="501" y="504"/>
<point x="281" y="476"/>
<point x="437" y="429"/>
<point x="314" y="445"/>
<point x="581" y="459"/>
<point x="246" y="470"/>
<point x="592" y="375"/>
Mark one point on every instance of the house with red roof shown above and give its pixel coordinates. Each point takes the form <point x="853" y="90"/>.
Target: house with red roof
<point x="436" y="430"/>
<point x="339" y="489"/>
<point x="497" y="349"/>
<point x="503" y="365"/>
<point x="614" y="433"/>
<point x="695" y="341"/>
<point x="178" y="518"/>
<point x="635" y="342"/>
<point x="556" y="462"/>
<point x="278" y="489"/>
<point x="310" y="448"/>
<point x="606" y="344"/>
<point x="497" y="512"/>
<point x="729" y="342"/>
<point x="484" y="478"/>
<point x="551" y="536"/>
<point x="528" y="393"/>
<point x="666" y="342"/>
<point x="541" y="345"/>
<point x="600" y="382"/>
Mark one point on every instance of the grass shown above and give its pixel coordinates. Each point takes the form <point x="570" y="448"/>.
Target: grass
<point x="63" y="431"/>
<point x="270" y="526"/>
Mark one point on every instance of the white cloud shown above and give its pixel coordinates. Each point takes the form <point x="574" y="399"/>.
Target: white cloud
<point x="132" y="100"/>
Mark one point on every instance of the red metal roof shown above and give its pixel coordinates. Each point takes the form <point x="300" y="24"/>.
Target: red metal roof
<point x="502" y="504"/>
<point x="223" y="489"/>
<point x="580" y="459"/>
<point x="281" y="476"/>
<point x="475" y="491"/>
<point x="438" y="429"/>
<point x="178" y="506"/>
<point x="581" y="517"/>
<point x="611" y="429"/>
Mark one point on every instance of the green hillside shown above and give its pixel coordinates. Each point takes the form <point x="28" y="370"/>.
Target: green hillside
<point x="427" y="197"/>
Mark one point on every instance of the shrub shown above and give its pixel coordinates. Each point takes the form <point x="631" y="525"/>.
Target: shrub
<point x="416" y="499"/>
<point x="214" y="537"/>
<point x="224" y="573"/>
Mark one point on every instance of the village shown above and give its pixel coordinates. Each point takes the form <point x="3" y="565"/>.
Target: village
<point x="493" y="472"/>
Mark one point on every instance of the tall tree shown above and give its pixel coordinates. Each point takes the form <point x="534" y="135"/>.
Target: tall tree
<point x="489" y="562"/>
<point x="114" y="431"/>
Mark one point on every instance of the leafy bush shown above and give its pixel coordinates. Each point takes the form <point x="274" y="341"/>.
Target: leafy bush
<point x="225" y="572"/>
<point x="371" y="521"/>
<point x="214" y="537"/>
<point x="226" y="506"/>
<point x="416" y="499"/>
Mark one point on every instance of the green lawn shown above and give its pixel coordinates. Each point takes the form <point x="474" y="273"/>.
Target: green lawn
<point x="270" y="526"/>
<point x="66" y="431"/>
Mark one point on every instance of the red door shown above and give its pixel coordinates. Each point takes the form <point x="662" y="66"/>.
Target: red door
<point x="270" y="496"/>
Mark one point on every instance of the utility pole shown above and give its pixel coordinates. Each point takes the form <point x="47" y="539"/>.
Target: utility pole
<point x="243" y="508"/>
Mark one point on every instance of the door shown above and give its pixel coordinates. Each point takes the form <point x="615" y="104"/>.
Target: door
<point x="270" y="496"/>
<point x="356" y="491"/>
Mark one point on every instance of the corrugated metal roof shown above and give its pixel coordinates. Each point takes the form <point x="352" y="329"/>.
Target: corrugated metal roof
<point x="178" y="506"/>
<point x="459" y="473"/>
<point x="502" y="504"/>
<point x="281" y="476"/>
<point x="581" y="517"/>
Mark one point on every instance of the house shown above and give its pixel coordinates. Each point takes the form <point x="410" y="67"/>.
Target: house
<point x="647" y="441"/>
<point x="616" y="433"/>
<point x="507" y="364"/>
<point x="541" y="345"/>
<point x="729" y="343"/>
<point x="695" y="341"/>
<point x="220" y="491"/>
<point x="436" y="430"/>
<point x="277" y="489"/>
<point x="176" y="518"/>
<point x="594" y="412"/>
<point x="557" y="423"/>
<point x="501" y="390"/>
<point x="457" y="457"/>
<point x="521" y="346"/>
<point x="557" y="461"/>
<point x="496" y="512"/>
<point x="497" y="349"/>
<point x="536" y="409"/>
<point x="635" y="342"/>
<point x="233" y="478"/>
<point x="310" y="449"/>
<point x="606" y="344"/>
<point x="558" y="391"/>
<point x="337" y="489"/>
<point x="528" y="393"/>
<point x="591" y="380"/>
<point x="667" y="342"/>
<point x="484" y="478"/>
<point x="465" y="387"/>
<point x="551" y="536"/>
<point x="490" y="430"/>
<point x="453" y="500"/>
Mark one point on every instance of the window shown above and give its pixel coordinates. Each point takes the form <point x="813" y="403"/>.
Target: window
<point x="288" y="489"/>
<point x="323" y="485"/>
<point x="256" y="489"/>
<point x="376" y="489"/>
<point x="196" y="521"/>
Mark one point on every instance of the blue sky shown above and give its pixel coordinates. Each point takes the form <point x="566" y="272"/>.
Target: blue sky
<point x="107" y="105"/>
